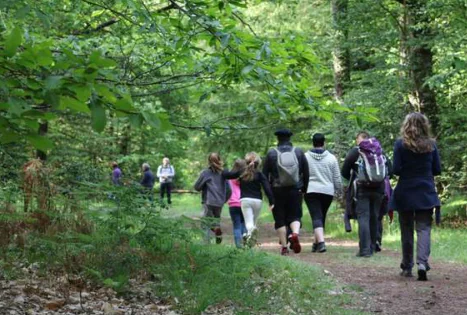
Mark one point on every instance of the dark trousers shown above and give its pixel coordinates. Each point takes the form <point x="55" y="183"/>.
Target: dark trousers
<point x="422" y="220"/>
<point x="318" y="205"/>
<point x="166" y="187"/>
<point x="368" y="207"/>
<point x="287" y="207"/>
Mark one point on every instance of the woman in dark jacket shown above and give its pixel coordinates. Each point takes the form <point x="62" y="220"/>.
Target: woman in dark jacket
<point x="416" y="162"/>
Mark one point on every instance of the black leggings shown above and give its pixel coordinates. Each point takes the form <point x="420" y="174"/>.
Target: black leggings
<point x="318" y="205"/>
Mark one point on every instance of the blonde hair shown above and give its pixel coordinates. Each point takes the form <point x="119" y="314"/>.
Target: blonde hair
<point x="415" y="133"/>
<point x="239" y="165"/>
<point x="215" y="162"/>
<point x="252" y="161"/>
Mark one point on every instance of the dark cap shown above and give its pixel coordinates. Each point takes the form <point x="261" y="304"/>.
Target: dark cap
<point x="283" y="133"/>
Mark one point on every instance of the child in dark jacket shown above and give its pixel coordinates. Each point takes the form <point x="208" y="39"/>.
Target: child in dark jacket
<point x="251" y="182"/>
<point x="211" y="182"/>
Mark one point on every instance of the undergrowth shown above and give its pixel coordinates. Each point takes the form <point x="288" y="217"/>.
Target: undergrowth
<point x="107" y="241"/>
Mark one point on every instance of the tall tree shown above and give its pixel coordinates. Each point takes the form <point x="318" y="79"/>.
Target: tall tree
<point x="341" y="52"/>
<point x="419" y="40"/>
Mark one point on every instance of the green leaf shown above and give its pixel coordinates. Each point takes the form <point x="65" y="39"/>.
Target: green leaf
<point x="165" y="122"/>
<point x="40" y="142"/>
<point x="101" y="62"/>
<point x="204" y="96"/>
<point x="124" y="104"/>
<point x="8" y="137"/>
<point x="82" y="92"/>
<point x="53" y="99"/>
<point x="21" y="13"/>
<point x="53" y="82"/>
<point x="104" y="91"/>
<point x="152" y="119"/>
<point x="98" y="117"/>
<point x="13" y="40"/>
<point x="4" y="106"/>
<point x="74" y="104"/>
<point x="44" y="57"/>
<point x="247" y="69"/>
<point x="136" y="120"/>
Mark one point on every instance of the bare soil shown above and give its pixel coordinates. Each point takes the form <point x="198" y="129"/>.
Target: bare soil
<point x="376" y="282"/>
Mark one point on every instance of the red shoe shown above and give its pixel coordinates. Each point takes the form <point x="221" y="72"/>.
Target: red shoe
<point x="295" y="243"/>
<point x="218" y="233"/>
<point x="284" y="251"/>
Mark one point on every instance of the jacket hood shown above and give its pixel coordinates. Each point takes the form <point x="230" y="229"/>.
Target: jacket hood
<point x="319" y="155"/>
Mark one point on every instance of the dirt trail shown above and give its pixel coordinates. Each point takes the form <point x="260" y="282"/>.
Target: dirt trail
<point x="376" y="280"/>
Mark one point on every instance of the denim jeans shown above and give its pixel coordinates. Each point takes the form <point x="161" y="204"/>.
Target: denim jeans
<point x="368" y="207"/>
<point x="238" y="223"/>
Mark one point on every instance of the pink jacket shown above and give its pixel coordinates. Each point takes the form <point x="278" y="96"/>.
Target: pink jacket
<point x="234" y="200"/>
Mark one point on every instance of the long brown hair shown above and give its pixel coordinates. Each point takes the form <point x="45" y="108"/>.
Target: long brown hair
<point x="215" y="162"/>
<point x="239" y="165"/>
<point x="416" y="135"/>
<point x="252" y="161"/>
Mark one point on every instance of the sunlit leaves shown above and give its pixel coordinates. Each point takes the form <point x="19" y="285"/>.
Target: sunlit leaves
<point x="12" y="41"/>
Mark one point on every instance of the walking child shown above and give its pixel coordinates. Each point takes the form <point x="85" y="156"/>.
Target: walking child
<point x="211" y="182"/>
<point x="251" y="182"/>
<point x="235" y="205"/>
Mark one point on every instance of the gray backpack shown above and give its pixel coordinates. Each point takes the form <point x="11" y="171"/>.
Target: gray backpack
<point x="288" y="168"/>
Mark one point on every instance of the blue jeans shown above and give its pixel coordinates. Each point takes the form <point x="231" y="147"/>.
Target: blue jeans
<point x="238" y="225"/>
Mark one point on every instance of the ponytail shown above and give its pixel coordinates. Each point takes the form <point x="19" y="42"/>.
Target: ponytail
<point x="253" y="161"/>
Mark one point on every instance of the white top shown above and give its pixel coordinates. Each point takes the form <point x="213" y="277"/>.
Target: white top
<point x="325" y="176"/>
<point x="165" y="173"/>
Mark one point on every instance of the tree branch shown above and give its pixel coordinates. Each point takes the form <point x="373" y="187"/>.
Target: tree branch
<point x="123" y="16"/>
<point x="244" y="23"/>
<point x="97" y="28"/>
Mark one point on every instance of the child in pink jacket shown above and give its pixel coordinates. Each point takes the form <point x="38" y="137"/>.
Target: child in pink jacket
<point x="235" y="208"/>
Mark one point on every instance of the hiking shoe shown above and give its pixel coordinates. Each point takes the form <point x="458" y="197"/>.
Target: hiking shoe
<point x="321" y="247"/>
<point x="422" y="273"/>
<point x="245" y="239"/>
<point x="284" y="251"/>
<point x="218" y="233"/>
<point x="378" y="247"/>
<point x="314" y="248"/>
<point x="406" y="273"/>
<point x="295" y="243"/>
<point x="363" y="255"/>
<point x="253" y="239"/>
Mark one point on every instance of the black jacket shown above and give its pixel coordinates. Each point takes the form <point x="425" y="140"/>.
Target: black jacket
<point x="252" y="189"/>
<point x="270" y="165"/>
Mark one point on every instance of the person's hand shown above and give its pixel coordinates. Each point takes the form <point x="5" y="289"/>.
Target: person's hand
<point x="271" y="207"/>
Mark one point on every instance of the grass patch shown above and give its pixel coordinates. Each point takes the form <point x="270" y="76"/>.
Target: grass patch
<point x="447" y="243"/>
<point x="250" y="281"/>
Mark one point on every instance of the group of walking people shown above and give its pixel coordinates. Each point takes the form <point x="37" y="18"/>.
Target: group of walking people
<point x="165" y="173"/>
<point x="288" y="175"/>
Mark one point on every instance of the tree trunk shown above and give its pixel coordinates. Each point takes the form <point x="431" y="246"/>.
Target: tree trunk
<point x="43" y="129"/>
<point x="125" y="140"/>
<point x="341" y="53"/>
<point x="420" y="61"/>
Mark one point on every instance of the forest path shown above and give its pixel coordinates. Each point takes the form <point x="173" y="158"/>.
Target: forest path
<point x="379" y="287"/>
